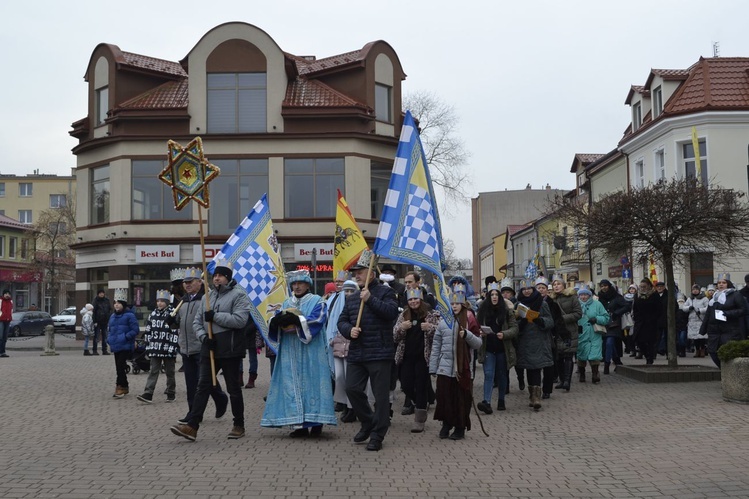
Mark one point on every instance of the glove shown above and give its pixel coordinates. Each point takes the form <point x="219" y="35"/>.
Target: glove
<point x="208" y="315"/>
<point x="210" y="342"/>
<point x="592" y="320"/>
<point x="691" y="308"/>
<point x="717" y="305"/>
<point x="171" y="320"/>
<point x="538" y="321"/>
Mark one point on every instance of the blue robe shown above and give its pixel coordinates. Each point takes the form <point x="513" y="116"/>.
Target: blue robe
<point x="301" y="391"/>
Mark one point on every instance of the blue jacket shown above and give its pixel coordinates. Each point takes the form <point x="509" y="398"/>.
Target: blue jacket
<point x="378" y="318"/>
<point x="123" y="328"/>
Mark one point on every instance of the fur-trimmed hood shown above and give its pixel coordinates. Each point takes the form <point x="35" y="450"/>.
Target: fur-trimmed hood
<point x="566" y="292"/>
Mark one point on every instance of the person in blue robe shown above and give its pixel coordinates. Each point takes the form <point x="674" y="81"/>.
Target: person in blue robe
<point x="301" y="394"/>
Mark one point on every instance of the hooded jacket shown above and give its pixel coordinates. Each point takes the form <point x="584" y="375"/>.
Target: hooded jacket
<point x="534" y="339"/>
<point x="231" y="308"/>
<point x="566" y="315"/>
<point x="123" y="328"/>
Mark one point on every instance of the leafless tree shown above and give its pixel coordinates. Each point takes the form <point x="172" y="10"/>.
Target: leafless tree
<point x="445" y="152"/>
<point x="672" y="219"/>
<point x="54" y="233"/>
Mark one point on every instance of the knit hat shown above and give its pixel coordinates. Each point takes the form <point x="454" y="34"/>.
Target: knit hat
<point x="584" y="291"/>
<point x="605" y="282"/>
<point x="222" y="268"/>
<point x="350" y="285"/>
<point x="329" y="288"/>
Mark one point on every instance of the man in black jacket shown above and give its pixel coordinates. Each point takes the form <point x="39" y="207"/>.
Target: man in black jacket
<point x="102" y="311"/>
<point x="371" y="352"/>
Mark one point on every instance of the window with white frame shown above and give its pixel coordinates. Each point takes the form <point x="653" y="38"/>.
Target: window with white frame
<point x="636" y="115"/>
<point x="100" y="195"/>
<point x="153" y="200"/>
<point x="12" y="247"/>
<point x="657" y="101"/>
<point x="241" y="184"/>
<point x="310" y="187"/>
<point x="640" y="173"/>
<point x="660" y="165"/>
<point x="2" y="246"/>
<point x="690" y="163"/>
<point x="383" y="103"/>
<point x="102" y="105"/>
<point x="25" y="189"/>
<point x="24" y="216"/>
<point x="58" y="200"/>
<point x="236" y="102"/>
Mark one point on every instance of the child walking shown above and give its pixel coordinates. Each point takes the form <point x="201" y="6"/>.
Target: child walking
<point x="161" y="348"/>
<point x="123" y="328"/>
<point x="87" y="326"/>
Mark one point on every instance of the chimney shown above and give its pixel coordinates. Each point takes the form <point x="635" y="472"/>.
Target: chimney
<point x="548" y="187"/>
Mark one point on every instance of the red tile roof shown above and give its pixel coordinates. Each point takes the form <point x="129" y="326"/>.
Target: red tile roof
<point x="152" y="64"/>
<point x="170" y="95"/>
<point x="313" y="93"/>
<point x="584" y="159"/>
<point x="6" y="221"/>
<point x="514" y="229"/>
<point x="308" y="67"/>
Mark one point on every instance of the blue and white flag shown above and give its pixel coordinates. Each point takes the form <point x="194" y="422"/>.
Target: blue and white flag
<point x="409" y="229"/>
<point x="253" y="253"/>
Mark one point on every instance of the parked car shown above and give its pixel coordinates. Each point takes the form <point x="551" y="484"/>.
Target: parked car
<point x="29" y="323"/>
<point x="65" y="319"/>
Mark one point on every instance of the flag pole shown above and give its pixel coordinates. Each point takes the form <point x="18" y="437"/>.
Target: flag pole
<point x="366" y="286"/>
<point x="207" y="292"/>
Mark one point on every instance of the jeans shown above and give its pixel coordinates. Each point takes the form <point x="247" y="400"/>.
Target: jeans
<point x="230" y="367"/>
<point x="4" y="330"/>
<point x="377" y="372"/>
<point x="100" y="331"/>
<point x="191" y="364"/>
<point x="610" y="350"/>
<point x="153" y="375"/>
<point x="681" y="342"/>
<point x="253" y="359"/>
<point x="494" y="363"/>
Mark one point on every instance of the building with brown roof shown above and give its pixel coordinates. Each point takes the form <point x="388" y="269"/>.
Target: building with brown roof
<point x="293" y="126"/>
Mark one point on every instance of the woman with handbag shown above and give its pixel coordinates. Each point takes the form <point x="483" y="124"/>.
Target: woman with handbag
<point x="497" y="352"/>
<point x="592" y="328"/>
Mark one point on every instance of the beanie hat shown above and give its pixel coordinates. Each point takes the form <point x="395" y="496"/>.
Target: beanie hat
<point x="351" y="285"/>
<point x="584" y="291"/>
<point x="224" y="271"/>
<point x="330" y="288"/>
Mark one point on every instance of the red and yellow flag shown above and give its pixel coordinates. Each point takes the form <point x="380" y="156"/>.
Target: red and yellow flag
<point x="653" y="274"/>
<point x="348" y="241"/>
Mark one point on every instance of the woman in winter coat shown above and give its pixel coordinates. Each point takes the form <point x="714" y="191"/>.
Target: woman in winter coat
<point x="123" y="328"/>
<point x="413" y="334"/>
<point x="535" y="325"/>
<point x="87" y="326"/>
<point x="590" y="341"/>
<point x="451" y="362"/>
<point x="616" y="306"/>
<point x="725" y="317"/>
<point x="628" y="324"/>
<point x="497" y="349"/>
<point x="645" y="312"/>
<point x="566" y="311"/>
<point x="696" y="307"/>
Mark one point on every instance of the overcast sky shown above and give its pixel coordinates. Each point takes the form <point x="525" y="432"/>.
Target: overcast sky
<point x="533" y="83"/>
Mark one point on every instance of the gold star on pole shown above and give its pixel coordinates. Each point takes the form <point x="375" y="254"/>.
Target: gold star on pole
<point x="188" y="173"/>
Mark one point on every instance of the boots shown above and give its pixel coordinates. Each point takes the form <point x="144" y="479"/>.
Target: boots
<point x="567" y="373"/>
<point x="458" y="434"/>
<point x="445" y="431"/>
<point x="536" y="397"/>
<point x="530" y="396"/>
<point x="596" y="375"/>
<point x="560" y="373"/>
<point x="251" y="381"/>
<point x="87" y="353"/>
<point x="581" y="370"/>
<point x="605" y="368"/>
<point x="420" y="417"/>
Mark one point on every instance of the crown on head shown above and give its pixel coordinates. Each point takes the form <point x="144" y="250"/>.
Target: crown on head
<point x="120" y="294"/>
<point x="542" y="280"/>
<point x="459" y="287"/>
<point x="342" y="275"/>
<point x="176" y="274"/>
<point x="507" y="283"/>
<point x="457" y="297"/>
<point x="493" y="286"/>
<point x="413" y="293"/>
<point x="163" y="294"/>
<point x="723" y="276"/>
<point x="298" y="276"/>
<point x="558" y="277"/>
<point x="192" y="273"/>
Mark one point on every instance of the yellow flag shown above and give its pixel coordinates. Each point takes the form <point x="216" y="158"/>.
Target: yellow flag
<point x="349" y="241"/>
<point x="696" y="147"/>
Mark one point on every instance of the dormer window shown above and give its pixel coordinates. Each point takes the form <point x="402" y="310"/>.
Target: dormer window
<point x="636" y="116"/>
<point x="383" y="103"/>
<point x="236" y="102"/>
<point x="657" y="101"/>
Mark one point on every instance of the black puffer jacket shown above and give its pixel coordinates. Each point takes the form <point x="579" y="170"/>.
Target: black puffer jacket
<point x="732" y="329"/>
<point x="378" y="317"/>
<point x="616" y="306"/>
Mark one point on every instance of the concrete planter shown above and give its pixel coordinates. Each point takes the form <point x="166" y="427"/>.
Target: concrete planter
<point x="735" y="380"/>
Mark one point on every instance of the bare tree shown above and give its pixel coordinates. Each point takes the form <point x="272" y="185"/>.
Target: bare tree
<point x="671" y="219"/>
<point x="54" y="233"/>
<point x="445" y="152"/>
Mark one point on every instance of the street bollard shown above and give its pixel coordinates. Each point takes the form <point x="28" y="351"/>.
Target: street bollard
<point x="49" y="348"/>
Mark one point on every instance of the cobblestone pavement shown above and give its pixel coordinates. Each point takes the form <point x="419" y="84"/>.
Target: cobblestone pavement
<point x="63" y="435"/>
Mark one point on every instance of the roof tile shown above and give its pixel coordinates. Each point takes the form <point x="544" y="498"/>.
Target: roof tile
<point x="169" y="95"/>
<point x="153" y="64"/>
<point x="313" y="93"/>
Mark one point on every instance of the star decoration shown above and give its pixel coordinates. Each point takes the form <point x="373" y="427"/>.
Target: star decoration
<point x="188" y="173"/>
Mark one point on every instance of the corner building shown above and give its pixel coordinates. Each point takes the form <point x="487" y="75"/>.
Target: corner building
<point x="296" y="127"/>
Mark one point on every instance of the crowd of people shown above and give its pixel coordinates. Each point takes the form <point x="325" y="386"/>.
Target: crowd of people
<point x="345" y="352"/>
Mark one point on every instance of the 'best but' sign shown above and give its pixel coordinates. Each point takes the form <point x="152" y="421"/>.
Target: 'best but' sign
<point x="157" y="253"/>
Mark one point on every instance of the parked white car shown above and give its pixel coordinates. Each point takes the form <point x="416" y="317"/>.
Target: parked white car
<point x="65" y="319"/>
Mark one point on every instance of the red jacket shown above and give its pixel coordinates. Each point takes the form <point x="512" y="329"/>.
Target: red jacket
<point x="6" y="310"/>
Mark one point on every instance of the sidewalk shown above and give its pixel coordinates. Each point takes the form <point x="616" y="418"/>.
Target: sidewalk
<point x="63" y="435"/>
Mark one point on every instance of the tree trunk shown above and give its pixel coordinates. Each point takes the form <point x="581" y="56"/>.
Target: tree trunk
<point x="668" y="263"/>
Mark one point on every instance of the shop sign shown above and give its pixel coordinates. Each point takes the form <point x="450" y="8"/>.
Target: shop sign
<point x="616" y="271"/>
<point x="303" y="252"/>
<point x="211" y="250"/>
<point x="320" y="267"/>
<point x="157" y="253"/>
